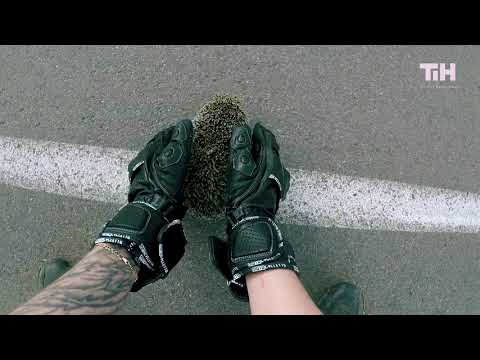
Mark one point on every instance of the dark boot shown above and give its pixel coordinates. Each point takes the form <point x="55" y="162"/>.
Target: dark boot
<point x="51" y="271"/>
<point x="342" y="299"/>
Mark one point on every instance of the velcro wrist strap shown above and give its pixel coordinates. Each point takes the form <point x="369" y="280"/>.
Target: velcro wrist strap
<point x="134" y="225"/>
<point x="254" y="238"/>
<point x="135" y="222"/>
<point x="258" y="245"/>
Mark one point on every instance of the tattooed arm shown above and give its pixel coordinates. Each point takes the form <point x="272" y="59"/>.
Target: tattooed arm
<point x="149" y="225"/>
<point x="97" y="285"/>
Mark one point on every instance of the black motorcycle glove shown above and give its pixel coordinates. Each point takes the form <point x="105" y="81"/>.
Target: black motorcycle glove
<point x="149" y="226"/>
<point x="256" y="182"/>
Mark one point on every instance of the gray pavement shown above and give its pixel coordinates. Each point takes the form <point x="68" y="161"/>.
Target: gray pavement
<point x="352" y="110"/>
<point x="400" y="273"/>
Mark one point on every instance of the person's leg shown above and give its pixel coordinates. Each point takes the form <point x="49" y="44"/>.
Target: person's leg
<point x="342" y="299"/>
<point x="97" y="284"/>
<point x="51" y="271"/>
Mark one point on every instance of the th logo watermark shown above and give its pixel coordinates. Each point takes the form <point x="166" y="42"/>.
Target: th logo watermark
<point x="438" y="72"/>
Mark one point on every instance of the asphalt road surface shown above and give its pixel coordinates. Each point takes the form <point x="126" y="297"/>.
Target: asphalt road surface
<point x="351" y="110"/>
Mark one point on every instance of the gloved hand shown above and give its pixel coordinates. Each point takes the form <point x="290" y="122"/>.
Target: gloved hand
<point x="149" y="226"/>
<point x="256" y="181"/>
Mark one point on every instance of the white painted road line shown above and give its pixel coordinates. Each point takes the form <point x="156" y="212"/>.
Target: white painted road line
<point x="315" y="198"/>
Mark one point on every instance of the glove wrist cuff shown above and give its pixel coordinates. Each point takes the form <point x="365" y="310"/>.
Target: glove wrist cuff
<point x="237" y="282"/>
<point x="135" y="228"/>
<point x="257" y="245"/>
<point x="255" y="239"/>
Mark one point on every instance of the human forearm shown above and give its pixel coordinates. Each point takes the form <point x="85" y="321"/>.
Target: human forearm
<point x="97" y="285"/>
<point x="279" y="292"/>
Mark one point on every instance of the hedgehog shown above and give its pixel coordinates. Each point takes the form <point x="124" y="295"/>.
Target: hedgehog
<point x="206" y="177"/>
